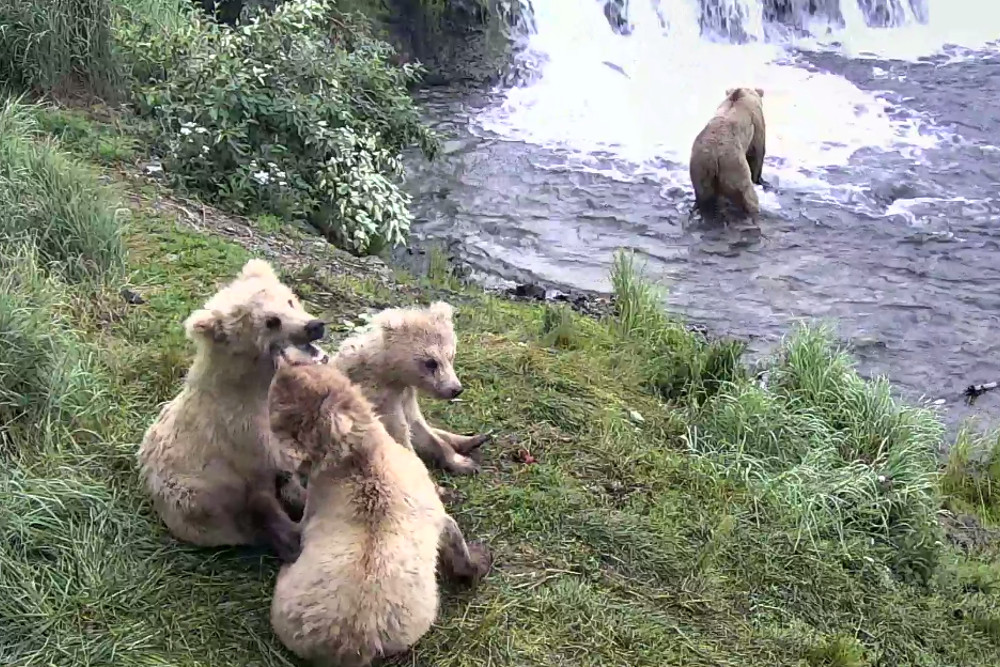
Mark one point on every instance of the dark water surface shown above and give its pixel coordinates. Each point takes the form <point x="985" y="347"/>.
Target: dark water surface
<point x="917" y="293"/>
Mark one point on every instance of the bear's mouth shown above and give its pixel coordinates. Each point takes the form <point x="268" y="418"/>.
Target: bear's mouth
<point x="301" y="353"/>
<point x="315" y="352"/>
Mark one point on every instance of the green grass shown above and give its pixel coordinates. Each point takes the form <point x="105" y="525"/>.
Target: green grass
<point x="59" y="46"/>
<point x="54" y="203"/>
<point x="680" y="511"/>
<point x="107" y="142"/>
<point x="972" y="475"/>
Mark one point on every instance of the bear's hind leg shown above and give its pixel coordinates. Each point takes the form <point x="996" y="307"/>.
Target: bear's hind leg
<point x="749" y="202"/>
<point x="737" y="186"/>
<point x="271" y="526"/>
<point x="462" y="561"/>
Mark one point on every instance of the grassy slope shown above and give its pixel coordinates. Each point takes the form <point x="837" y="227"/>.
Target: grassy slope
<point x="627" y="542"/>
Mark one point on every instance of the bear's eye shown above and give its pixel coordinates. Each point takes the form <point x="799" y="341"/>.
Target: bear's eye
<point x="291" y="303"/>
<point x="431" y="365"/>
<point x="273" y="322"/>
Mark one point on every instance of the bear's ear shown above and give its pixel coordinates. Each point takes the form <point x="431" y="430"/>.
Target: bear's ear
<point x="441" y="310"/>
<point x="391" y="319"/>
<point x="206" y="324"/>
<point x="760" y="92"/>
<point x="257" y="268"/>
<point x="340" y="420"/>
<point x="341" y="425"/>
<point x="730" y="91"/>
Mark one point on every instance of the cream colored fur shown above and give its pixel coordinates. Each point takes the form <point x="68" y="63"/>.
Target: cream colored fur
<point x="407" y="351"/>
<point x="364" y="585"/>
<point x="207" y="460"/>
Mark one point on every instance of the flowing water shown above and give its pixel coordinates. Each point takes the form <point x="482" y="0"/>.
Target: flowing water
<point x="883" y="130"/>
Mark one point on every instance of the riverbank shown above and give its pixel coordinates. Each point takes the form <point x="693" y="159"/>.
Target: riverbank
<point x="648" y="501"/>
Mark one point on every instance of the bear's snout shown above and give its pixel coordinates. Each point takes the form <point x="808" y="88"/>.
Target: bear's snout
<point x="454" y="391"/>
<point x="315" y="329"/>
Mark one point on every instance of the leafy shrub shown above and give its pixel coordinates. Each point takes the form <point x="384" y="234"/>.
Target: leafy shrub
<point x="58" y="46"/>
<point x="298" y="113"/>
<point x="53" y="203"/>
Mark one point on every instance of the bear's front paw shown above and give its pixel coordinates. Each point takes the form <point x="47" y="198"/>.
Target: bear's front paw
<point x="462" y="465"/>
<point x="473" y="442"/>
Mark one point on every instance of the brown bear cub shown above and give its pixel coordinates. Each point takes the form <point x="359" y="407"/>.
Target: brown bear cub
<point x="208" y="459"/>
<point x="728" y="154"/>
<point x="406" y="351"/>
<point x="364" y="586"/>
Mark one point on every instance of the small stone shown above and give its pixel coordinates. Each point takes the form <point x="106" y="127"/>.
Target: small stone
<point x="529" y="291"/>
<point x="635" y="416"/>
<point x="131" y="297"/>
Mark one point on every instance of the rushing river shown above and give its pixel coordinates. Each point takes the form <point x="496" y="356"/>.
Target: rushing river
<point x="883" y="128"/>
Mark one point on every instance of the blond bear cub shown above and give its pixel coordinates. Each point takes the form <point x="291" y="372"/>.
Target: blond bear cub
<point x="208" y="460"/>
<point x="364" y="586"/>
<point x="727" y="156"/>
<point x="406" y="351"/>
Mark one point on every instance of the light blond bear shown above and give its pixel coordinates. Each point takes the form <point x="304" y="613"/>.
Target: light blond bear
<point x="404" y="352"/>
<point x="208" y="460"/>
<point x="727" y="156"/>
<point x="364" y="586"/>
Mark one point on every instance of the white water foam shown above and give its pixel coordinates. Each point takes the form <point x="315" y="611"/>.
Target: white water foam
<point x="965" y="27"/>
<point x="643" y="97"/>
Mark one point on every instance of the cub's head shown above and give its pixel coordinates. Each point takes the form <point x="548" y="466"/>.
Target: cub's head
<point x="314" y="407"/>
<point x="419" y="348"/>
<point x="255" y="315"/>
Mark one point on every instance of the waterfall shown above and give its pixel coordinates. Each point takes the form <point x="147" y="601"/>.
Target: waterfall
<point x="633" y="81"/>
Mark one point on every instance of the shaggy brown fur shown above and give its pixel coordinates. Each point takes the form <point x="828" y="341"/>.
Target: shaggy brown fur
<point x="208" y="460"/>
<point x="728" y="154"/>
<point x="364" y="586"/>
<point x="406" y="351"/>
<point x="294" y="461"/>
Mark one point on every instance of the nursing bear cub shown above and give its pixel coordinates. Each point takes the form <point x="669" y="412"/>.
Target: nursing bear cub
<point x="727" y="156"/>
<point x="208" y="459"/>
<point x="364" y="586"/>
<point x="407" y="351"/>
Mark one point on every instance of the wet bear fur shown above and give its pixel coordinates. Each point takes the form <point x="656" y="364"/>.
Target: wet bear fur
<point x="727" y="156"/>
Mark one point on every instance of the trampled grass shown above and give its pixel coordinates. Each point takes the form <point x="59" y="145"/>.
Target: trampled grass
<point x="678" y="511"/>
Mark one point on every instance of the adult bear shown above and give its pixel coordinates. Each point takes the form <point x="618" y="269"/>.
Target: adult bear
<point x="728" y="154"/>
